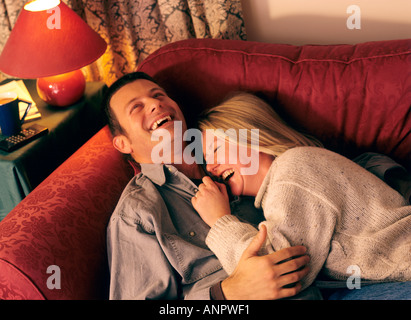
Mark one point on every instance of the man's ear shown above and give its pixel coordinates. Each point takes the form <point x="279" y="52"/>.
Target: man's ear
<point x="122" y="144"/>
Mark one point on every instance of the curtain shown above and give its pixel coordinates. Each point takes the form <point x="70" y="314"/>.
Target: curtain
<point x="135" y="28"/>
<point x="9" y="10"/>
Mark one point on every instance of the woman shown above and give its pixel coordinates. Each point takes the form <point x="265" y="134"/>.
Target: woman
<point x="344" y="215"/>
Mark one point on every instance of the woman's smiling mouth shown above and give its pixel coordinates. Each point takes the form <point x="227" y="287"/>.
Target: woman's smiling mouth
<point x="226" y="175"/>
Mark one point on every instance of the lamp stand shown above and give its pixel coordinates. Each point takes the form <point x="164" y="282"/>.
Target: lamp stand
<point x="62" y="90"/>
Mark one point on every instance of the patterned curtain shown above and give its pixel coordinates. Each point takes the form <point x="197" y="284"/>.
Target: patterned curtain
<point x="9" y="10"/>
<point x="135" y="28"/>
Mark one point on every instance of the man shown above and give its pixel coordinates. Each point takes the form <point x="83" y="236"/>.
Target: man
<point x="156" y="240"/>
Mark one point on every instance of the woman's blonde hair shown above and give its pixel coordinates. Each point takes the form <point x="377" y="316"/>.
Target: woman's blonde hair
<point x="247" y="111"/>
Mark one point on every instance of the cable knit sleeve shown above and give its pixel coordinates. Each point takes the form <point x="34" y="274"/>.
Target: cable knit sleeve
<point x="228" y="239"/>
<point x="306" y="220"/>
<point x="299" y="203"/>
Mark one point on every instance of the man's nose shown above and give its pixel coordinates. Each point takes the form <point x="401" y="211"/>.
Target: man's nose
<point x="153" y="104"/>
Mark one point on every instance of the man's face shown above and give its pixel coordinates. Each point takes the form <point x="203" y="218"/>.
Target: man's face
<point x="141" y="107"/>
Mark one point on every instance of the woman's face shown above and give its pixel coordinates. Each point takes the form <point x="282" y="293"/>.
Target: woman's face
<point x="231" y="162"/>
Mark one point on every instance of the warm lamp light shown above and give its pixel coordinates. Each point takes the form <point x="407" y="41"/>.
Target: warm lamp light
<point x="51" y="42"/>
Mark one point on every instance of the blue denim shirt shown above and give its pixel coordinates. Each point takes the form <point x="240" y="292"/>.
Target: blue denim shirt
<point x="156" y="240"/>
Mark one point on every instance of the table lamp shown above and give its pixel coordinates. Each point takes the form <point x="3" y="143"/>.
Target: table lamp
<point x="51" y="42"/>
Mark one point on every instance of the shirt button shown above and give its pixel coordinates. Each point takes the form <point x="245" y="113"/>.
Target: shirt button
<point x="192" y="233"/>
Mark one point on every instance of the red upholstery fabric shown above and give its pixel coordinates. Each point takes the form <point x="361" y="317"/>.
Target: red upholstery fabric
<point x="62" y="223"/>
<point x="351" y="97"/>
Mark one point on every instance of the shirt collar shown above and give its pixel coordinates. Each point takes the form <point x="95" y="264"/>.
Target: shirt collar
<point x="157" y="172"/>
<point x="154" y="171"/>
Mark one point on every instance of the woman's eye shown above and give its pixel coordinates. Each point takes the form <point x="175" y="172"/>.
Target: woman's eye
<point x="209" y="156"/>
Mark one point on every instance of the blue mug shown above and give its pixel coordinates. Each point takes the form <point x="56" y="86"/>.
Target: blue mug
<point x="10" y="122"/>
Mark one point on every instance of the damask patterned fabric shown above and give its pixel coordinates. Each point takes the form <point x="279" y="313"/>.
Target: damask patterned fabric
<point x="62" y="223"/>
<point x="135" y="28"/>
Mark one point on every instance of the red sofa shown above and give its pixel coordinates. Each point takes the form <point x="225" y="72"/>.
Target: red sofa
<point x="353" y="97"/>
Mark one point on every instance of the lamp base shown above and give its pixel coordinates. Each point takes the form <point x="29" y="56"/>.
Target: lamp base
<point x="62" y="90"/>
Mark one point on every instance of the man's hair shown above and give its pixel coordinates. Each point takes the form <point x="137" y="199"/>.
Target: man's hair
<point x="113" y="123"/>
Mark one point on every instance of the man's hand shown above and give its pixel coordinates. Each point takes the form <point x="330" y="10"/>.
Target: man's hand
<point x="265" y="277"/>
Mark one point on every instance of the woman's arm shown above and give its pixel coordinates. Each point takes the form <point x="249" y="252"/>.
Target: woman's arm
<point x="273" y="276"/>
<point x="212" y="204"/>
<point x="297" y="216"/>
<point x="241" y="249"/>
<point x="294" y="217"/>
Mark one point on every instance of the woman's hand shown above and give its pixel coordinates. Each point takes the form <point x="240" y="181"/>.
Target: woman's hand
<point x="211" y="201"/>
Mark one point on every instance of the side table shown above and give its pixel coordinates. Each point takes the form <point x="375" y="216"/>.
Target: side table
<point x="69" y="128"/>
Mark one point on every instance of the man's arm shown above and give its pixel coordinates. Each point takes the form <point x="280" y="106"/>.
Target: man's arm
<point x="392" y="173"/>
<point x="139" y="270"/>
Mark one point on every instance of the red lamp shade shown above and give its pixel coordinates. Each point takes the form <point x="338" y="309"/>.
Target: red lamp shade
<point x="48" y="42"/>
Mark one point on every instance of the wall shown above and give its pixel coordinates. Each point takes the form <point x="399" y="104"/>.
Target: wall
<point x="325" y="21"/>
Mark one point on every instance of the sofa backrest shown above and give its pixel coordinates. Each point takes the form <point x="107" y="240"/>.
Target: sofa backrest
<point x="354" y="98"/>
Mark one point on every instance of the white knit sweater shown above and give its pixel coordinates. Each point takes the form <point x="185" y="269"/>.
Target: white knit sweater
<point x="343" y="214"/>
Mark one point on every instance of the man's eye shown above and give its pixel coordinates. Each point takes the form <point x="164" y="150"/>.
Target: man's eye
<point x="158" y="94"/>
<point x="135" y="106"/>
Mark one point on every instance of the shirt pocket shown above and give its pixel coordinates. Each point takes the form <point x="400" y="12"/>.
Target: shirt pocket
<point x="191" y="261"/>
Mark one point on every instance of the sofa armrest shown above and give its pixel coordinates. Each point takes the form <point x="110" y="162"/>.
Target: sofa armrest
<point x="63" y="222"/>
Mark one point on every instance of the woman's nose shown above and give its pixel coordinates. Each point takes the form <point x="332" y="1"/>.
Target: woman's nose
<point x="211" y="167"/>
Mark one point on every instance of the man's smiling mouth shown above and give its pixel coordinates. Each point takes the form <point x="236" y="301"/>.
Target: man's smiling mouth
<point x="160" y="122"/>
